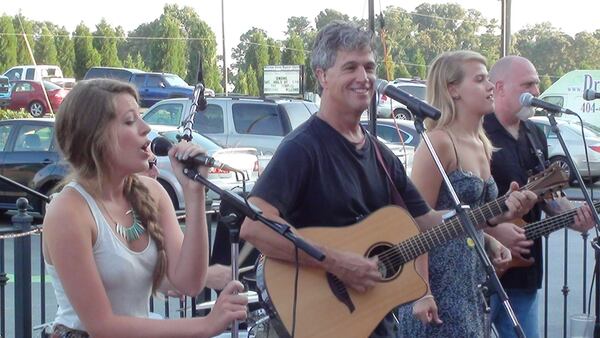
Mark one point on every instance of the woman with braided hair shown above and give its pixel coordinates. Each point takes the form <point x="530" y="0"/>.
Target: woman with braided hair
<point x="111" y="236"/>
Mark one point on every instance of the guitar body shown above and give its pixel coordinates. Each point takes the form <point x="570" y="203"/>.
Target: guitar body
<point x="320" y="310"/>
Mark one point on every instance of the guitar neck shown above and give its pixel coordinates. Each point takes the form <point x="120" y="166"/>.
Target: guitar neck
<point x="449" y="229"/>
<point x="546" y="226"/>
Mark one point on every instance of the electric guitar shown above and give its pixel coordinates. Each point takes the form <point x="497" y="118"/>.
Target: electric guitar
<point x="325" y="307"/>
<point x="538" y="229"/>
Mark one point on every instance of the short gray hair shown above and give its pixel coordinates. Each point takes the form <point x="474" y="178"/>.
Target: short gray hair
<point x="337" y="35"/>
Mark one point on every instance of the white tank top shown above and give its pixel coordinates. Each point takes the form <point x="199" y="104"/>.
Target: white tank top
<point x="126" y="274"/>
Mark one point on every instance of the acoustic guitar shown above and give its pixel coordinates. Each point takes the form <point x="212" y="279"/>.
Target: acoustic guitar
<point x="325" y="307"/>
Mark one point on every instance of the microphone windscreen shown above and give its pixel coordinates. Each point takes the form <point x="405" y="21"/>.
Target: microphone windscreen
<point x="525" y="99"/>
<point x="160" y="146"/>
<point x="380" y="85"/>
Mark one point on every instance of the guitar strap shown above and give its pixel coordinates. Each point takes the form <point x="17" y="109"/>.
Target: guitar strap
<point x="536" y="147"/>
<point x="395" y="196"/>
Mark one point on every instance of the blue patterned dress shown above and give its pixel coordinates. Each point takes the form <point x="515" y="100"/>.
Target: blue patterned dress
<point x="454" y="271"/>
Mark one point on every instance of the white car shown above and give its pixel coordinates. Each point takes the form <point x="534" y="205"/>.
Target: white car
<point x="244" y="159"/>
<point x="571" y="133"/>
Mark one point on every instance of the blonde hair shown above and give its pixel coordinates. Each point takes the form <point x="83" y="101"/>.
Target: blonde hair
<point x="84" y="138"/>
<point x="447" y="69"/>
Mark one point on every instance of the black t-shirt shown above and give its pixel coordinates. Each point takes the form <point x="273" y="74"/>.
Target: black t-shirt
<point x="318" y="178"/>
<point x="516" y="160"/>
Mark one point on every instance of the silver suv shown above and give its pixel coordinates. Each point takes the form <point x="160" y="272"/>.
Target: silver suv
<point x="259" y="123"/>
<point x="387" y="106"/>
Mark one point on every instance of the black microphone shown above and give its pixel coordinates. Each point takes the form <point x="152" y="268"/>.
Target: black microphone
<point x="415" y="105"/>
<point x="590" y="95"/>
<point x="529" y="100"/>
<point x="160" y="147"/>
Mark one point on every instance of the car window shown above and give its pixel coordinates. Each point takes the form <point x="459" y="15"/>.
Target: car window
<point x="206" y="143"/>
<point x="138" y="80"/>
<point x="51" y="86"/>
<point x="4" y="133"/>
<point x="23" y="87"/>
<point x="257" y="119"/>
<point x="29" y="75"/>
<point x="153" y="81"/>
<point x="391" y="134"/>
<point x="417" y="91"/>
<point x="175" y="80"/>
<point x="34" y="138"/>
<point x="296" y="112"/>
<point x="556" y="100"/>
<point x="14" y="74"/>
<point x="210" y="120"/>
<point x="167" y="114"/>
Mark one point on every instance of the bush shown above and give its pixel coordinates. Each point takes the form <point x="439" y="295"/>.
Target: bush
<point x="12" y="114"/>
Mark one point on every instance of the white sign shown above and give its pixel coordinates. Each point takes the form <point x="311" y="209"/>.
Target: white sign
<point x="283" y="79"/>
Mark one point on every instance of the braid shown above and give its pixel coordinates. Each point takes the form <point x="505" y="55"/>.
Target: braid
<point x="145" y="207"/>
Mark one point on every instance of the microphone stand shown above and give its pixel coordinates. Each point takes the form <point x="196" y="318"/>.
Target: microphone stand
<point x="461" y="211"/>
<point x="588" y="200"/>
<point x="26" y="189"/>
<point x="243" y="207"/>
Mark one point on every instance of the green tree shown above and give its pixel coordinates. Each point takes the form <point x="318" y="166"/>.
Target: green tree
<point x="105" y="42"/>
<point x="66" y="52"/>
<point x="293" y="53"/>
<point x="582" y="52"/>
<point x="23" y="25"/>
<point x="274" y="51"/>
<point x="86" y="55"/>
<point x="299" y="25"/>
<point x="134" y="62"/>
<point x="328" y="15"/>
<point x="8" y="43"/>
<point x="241" y="85"/>
<point x="401" y="70"/>
<point x="252" y="51"/>
<point x="252" y="82"/>
<point x="420" y="65"/>
<point x="45" y="48"/>
<point x="170" y="50"/>
<point x="201" y="41"/>
<point x="545" y="82"/>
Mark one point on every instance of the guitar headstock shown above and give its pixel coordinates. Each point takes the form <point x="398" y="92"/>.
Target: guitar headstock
<point x="549" y="182"/>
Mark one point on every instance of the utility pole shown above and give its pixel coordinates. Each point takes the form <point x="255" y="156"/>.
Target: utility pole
<point x="505" y="28"/>
<point x="373" y="105"/>
<point x="224" y="49"/>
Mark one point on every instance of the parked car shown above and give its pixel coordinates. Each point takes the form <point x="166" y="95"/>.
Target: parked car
<point x="4" y="91"/>
<point x="571" y="132"/>
<point x="404" y="153"/>
<point x="244" y="159"/>
<point x="386" y="106"/>
<point x="121" y="74"/>
<point x="40" y="73"/>
<point x="28" y="155"/>
<point x="29" y="95"/>
<point x="259" y="123"/>
<point x="154" y="87"/>
<point x="386" y="129"/>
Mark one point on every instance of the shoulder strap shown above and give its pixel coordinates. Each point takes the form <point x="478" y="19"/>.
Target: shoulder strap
<point x="535" y="145"/>
<point x="453" y="147"/>
<point x="396" y="198"/>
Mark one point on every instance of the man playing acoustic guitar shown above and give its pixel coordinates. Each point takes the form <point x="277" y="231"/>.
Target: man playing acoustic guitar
<point x="330" y="173"/>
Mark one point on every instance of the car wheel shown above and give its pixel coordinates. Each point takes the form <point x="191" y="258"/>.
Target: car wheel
<point x="36" y="109"/>
<point x="402" y="114"/>
<point x="171" y="192"/>
<point x="564" y="165"/>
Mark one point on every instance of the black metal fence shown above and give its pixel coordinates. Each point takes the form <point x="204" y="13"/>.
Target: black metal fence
<point x="23" y="236"/>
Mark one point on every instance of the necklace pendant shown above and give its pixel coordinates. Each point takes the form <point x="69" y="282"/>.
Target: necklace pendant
<point x="133" y="232"/>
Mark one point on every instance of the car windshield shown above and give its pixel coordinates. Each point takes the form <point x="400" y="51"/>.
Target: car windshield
<point x="589" y="129"/>
<point x="198" y="139"/>
<point x="417" y="91"/>
<point x="51" y="86"/>
<point x="175" y="80"/>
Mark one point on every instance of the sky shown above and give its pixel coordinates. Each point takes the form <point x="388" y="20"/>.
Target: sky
<point x="271" y="15"/>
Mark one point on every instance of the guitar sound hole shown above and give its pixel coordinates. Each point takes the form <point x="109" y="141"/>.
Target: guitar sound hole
<point x="389" y="259"/>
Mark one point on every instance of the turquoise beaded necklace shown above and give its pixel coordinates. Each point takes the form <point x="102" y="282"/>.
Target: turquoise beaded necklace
<point x="131" y="233"/>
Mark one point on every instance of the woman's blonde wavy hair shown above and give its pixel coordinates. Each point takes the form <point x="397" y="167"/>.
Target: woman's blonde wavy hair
<point x="85" y="139"/>
<point x="447" y="69"/>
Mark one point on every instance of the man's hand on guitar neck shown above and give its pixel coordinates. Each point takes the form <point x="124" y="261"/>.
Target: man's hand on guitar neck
<point x="354" y="270"/>
<point x="583" y="220"/>
<point x="518" y="202"/>
<point x="513" y="237"/>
